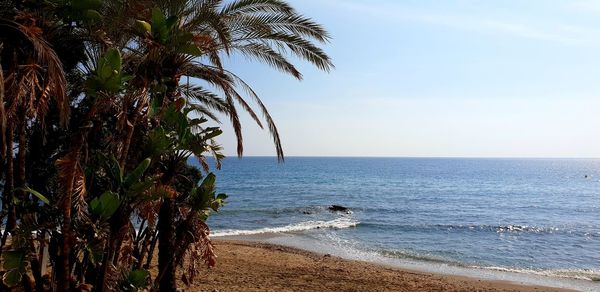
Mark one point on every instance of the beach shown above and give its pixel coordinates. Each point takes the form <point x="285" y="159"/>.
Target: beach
<point x="252" y="266"/>
<point x="530" y="221"/>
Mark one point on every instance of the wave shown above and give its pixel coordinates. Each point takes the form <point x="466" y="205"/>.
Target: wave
<point x="307" y="210"/>
<point x="509" y="228"/>
<point x="339" y="223"/>
<point x="581" y="274"/>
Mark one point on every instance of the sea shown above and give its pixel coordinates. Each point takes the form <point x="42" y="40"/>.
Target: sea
<point x="532" y="221"/>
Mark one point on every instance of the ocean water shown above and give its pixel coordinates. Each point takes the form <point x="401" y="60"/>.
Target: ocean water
<point x="539" y="216"/>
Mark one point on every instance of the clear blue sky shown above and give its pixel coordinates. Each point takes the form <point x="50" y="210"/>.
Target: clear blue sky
<point x="440" y="78"/>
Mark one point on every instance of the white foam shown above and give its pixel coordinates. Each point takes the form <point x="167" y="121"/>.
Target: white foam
<point x="580" y="274"/>
<point x="326" y="243"/>
<point x="339" y="223"/>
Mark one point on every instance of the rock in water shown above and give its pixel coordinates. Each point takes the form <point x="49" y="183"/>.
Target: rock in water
<point x="338" y="208"/>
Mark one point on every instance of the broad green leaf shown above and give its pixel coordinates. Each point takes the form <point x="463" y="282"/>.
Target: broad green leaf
<point x="137" y="173"/>
<point x="211" y="133"/>
<point x="158" y="20"/>
<point x="139" y="278"/>
<point x="113" y="57"/>
<point x="105" y="205"/>
<point x="143" y="26"/>
<point x="86" y="4"/>
<point x="35" y="193"/>
<point x="104" y="70"/>
<point x="198" y="121"/>
<point x="158" y="143"/>
<point x="13" y="259"/>
<point x="209" y="182"/>
<point x="115" y="169"/>
<point x="139" y="188"/>
<point x="171" y="22"/>
<point x="93" y="15"/>
<point x="12" y="278"/>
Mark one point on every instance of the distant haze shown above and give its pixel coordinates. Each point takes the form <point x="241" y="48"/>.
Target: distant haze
<point x="443" y="79"/>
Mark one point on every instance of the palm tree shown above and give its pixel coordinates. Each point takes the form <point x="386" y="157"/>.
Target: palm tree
<point x="114" y="72"/>
<point x="189" y="38"/>
<point x="32" y="76"/>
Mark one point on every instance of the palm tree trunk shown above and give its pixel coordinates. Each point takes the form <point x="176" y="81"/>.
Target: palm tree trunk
<point x="7" y="195"/>
<point x="21" y="156"/>
<point x="10" y="180"/>
<point x="150" y="252"/>
<point x="166" y="243"/>
<point x="63" y="266"/>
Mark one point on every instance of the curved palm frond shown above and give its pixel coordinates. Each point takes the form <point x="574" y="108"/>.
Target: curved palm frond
<point x="257" y="6"/>
<point x="45" y="57"/>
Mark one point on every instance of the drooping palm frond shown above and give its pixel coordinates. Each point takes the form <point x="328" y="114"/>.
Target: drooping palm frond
<point x="72" y="181"/>
<point x="269" y="56"/>
<point x="203" y="111"/>
<point x="296" y="44"/>
<point x="45" y="57"/>
<point x="223" y="82"/>
<point x="206" y="98"/>
<point x="257" y="6"/>
<point x="265" y="112"/>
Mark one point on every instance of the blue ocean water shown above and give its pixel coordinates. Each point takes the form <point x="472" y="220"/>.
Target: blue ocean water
<point x="539" y="215"/>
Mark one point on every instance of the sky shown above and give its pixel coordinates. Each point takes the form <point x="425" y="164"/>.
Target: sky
<point x="438" y="79"/>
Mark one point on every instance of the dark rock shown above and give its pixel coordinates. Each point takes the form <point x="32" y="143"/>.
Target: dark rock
<point x="338" y="208"/>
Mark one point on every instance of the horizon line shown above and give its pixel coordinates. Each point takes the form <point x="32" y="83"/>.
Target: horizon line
<point x="399" y="156"/>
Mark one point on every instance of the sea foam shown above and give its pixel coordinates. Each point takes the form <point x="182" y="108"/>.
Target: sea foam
<point x="338" y="223"/>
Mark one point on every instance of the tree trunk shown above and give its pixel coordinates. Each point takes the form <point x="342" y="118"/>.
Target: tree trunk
<point x="7" y="195"/>
<point x="9" y="184"/>
<point x="166" y="247"/>
<point x="63" y="265"/>
<point x="21" y="156"/>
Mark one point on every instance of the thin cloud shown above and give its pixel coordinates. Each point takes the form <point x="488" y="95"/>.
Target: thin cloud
<point x="486" y="24"/>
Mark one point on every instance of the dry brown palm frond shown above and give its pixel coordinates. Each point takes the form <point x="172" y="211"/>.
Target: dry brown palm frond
<point x="29" y="87"/>
<point x="72" y="182"/>
<point x="215" y="151"/>
<point x="126" y="253"/>
<point x="200" y="250"/>
<point x="206" y="246"/>
<point x="46" y="57"/>
<point x="148" y="211"/>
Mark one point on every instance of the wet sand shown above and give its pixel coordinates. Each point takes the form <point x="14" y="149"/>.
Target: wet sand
<point x="248" y="266"/>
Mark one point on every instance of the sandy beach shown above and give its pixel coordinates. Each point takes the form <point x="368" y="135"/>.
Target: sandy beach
<point x="248" y="266"/>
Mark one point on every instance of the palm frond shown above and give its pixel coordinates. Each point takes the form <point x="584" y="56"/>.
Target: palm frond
<point x="285" y="23"/>
<point x="299" y="46"/>
<point x="72" y="182"/>
<point x="270" y="122"/>
<point x="48" y="58"/>
<point x="257" y="6"/>
<point x="203" y="111"/>
<point x="205" y="97"/>
<point x="268" y="55"/>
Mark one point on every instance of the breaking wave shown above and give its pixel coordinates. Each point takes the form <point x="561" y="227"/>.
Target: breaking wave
<point x="339" y="223"/>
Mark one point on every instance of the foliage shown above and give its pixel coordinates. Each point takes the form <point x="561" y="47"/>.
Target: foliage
<point x="103" y="104"/>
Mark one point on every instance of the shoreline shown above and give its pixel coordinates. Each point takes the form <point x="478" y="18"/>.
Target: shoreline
<point x="258" y="266"/>
<point x="303" y="243"/>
